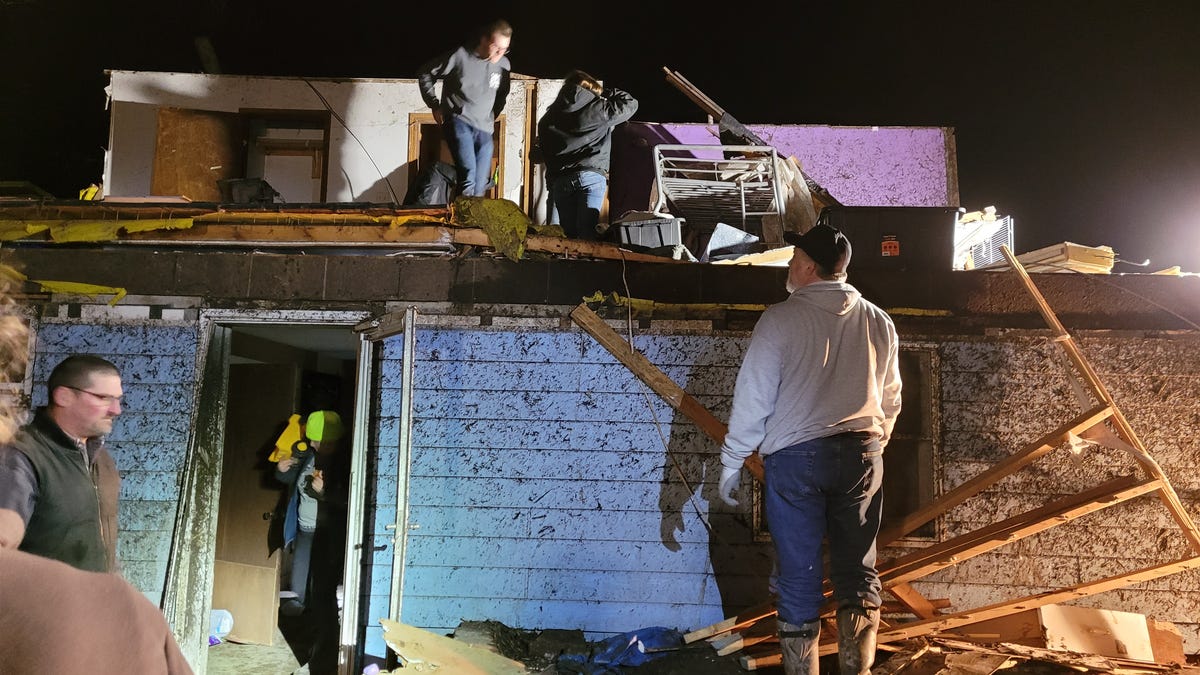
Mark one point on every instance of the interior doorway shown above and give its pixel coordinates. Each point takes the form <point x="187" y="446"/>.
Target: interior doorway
<point x="426" y="147"/>
<point x="275" y="372"/>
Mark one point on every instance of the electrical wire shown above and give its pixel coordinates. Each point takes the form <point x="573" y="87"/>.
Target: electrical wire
<point x="1099" y="278"/>
<point x="675" y="463"/>
<point x="336" y="116"/>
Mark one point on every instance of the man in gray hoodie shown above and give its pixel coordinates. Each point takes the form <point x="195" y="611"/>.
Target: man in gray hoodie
<point x="475" y="84"/>
<point x="817" y="395"/>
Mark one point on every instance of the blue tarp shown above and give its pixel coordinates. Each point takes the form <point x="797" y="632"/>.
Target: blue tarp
<point x="627" y="649"/>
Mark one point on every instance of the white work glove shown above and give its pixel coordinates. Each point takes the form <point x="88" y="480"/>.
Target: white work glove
<point x="729" y="482"/>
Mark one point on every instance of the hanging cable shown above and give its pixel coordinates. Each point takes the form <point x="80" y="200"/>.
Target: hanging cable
<point x="336" y="116"/>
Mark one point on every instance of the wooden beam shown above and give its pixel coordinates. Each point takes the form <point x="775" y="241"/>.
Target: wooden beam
<point x="1029" y="454"/>
<point x="912" y="600"/>
<point x="1123" y="428"/>
<point x="954" y="551"/>
<point x="947" y="622"/>
<point x="764" y="631"/>
<point x="658" y="381"/>
<point x="561" y="245"/>
<point x="742" y="619"/>
<point x="410" y="236"/>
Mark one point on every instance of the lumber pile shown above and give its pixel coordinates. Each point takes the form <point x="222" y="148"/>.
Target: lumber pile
<point x="1065" y="257"/>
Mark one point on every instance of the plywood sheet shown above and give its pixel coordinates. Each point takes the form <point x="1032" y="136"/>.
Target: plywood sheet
<point x="193" y="150"/>
<point x="238" y="588"/>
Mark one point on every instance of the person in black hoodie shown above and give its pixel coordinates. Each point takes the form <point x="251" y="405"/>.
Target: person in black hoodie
<point x="575" y="136"/>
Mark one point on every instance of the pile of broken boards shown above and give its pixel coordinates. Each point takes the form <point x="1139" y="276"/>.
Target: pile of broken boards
<point x="1048" y="639"/>
<point x="491" y="648"/>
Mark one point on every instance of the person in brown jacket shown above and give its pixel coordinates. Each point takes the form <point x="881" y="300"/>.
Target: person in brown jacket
<point x="58" y="619"/>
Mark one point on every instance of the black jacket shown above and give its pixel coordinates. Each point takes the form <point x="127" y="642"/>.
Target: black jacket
<point x="575" y="134"/>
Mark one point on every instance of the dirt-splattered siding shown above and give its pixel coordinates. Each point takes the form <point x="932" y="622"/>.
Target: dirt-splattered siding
<point x="149" y="439"/>
<point x="541" y="495"/>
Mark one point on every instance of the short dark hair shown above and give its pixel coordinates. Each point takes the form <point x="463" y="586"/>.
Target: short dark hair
<point x="582" y="79"/>
<point x="76" y="371"/>
<point x="498" y="26"/>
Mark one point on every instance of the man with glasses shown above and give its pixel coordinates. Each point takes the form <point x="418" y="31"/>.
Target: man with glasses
<point x="58" y="483"/>
<point x="475" y="84"/>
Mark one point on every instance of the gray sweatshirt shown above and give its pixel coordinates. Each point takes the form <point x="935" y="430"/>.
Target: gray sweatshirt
<point x="822" y="362"/>
<point x="472" y="88"/>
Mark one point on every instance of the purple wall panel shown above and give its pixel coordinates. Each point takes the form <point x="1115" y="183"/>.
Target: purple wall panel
<point x="859" y="166"/>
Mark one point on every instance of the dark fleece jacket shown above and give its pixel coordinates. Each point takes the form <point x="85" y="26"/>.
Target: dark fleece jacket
<point x="575" y="134"/>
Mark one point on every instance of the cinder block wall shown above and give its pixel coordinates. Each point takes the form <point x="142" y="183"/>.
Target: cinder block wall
<point x="149" y="440"/>
<point x="999" y="395"/>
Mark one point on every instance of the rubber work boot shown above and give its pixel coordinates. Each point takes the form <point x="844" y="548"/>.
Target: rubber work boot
<point x="857" y="627"/>
<point x="799" y="643"/>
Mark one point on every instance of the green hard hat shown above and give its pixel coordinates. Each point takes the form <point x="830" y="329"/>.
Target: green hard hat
<point x="323" y="425"/>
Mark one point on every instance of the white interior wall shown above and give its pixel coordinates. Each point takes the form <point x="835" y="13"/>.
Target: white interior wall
<point x="367" y="153"/>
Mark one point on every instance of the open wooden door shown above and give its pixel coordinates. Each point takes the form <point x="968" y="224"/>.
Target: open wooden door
<point x="194" y="149"/>
<point x="246" y="574"/>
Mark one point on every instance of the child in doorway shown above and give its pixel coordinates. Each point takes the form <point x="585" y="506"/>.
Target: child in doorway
<point x="303" y="471"/>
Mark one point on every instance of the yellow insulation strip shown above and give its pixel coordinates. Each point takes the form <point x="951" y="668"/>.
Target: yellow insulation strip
<point x="19" y="229"/>
<point x="639" y="305"/>
<point x="916" y="311"/>
<point x="79" y="288"/>
<point x="416" y="219"/>
<point x="107" y="230"/>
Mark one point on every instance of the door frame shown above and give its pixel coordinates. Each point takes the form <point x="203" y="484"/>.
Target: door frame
<point x="422" y="123"/>
<point x="187" y="598"/>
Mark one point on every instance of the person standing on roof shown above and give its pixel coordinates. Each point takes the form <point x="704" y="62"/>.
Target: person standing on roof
<point x="575" y="136"/>
<point x="817" y="395"/>
<point x="475" y="84"/>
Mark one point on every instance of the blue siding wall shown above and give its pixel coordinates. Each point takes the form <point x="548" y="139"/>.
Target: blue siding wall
<point x="149" y="439"/>
<point x="542" y="493"/>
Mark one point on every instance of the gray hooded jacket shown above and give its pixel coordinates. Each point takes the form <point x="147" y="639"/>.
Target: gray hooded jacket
<point x="823" y="362"/>
<point x="576" y="132"/>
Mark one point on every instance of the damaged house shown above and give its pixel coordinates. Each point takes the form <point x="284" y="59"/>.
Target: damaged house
<point x="506" y="462"/>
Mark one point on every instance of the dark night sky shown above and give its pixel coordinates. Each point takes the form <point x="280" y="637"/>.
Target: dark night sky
<point x="1076" y="118"/>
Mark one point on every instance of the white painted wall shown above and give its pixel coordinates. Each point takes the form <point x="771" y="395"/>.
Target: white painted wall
<point x="368" y="145"/>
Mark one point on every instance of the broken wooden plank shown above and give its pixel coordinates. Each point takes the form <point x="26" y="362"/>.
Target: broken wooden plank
<point x="658" y="381"/>
<point x="561" y="245"/>
<point x="946" y="622"/>
<point x="761" y="632"/>
<point x="915" y="602"/>
<point x="405" y="236"/>
<point x="424" y="650"/>
<point x="1027" y="455"/>
<point x="742" y="619"/>
<point x="935" y="557"/>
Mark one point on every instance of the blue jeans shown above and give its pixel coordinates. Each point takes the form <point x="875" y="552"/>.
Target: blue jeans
<point x="471" y="149"/>
<point x="578" y="197"/>
<point x="301" y="561"/>
<point x="826" y="486"/>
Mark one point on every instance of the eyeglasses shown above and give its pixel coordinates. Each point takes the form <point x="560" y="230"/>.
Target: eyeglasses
<point x="106" y="399"/>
